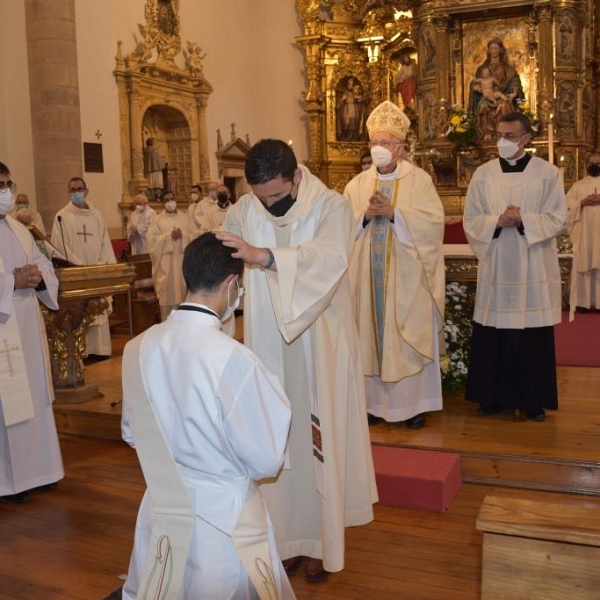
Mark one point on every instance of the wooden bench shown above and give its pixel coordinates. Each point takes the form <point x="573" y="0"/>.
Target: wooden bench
<point x="540" y="549"/>
<point x="145" y="310"/>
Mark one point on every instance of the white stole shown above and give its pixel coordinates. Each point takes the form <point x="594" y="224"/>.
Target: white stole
<point x="15" y="395"/>
<point x="173" y="512"/>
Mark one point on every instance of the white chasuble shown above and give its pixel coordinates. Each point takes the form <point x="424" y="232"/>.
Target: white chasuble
<point x="299" y="321"/>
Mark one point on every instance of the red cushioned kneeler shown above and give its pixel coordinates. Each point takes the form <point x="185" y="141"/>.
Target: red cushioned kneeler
<point x="416" y="478"/>
<point x="454" y="233"/>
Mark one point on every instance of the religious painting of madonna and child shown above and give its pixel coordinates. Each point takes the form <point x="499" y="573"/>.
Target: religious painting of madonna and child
<point x="497" y="72"/>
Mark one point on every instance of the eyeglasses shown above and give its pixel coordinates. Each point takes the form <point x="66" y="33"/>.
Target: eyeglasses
<point x="8" y="185"/>
<point x="77" y="189"/>
<point x="511" y="137"/>
<point x="384" y="144"/>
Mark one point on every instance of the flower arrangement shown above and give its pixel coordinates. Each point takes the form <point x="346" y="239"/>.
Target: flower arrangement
<point x="458" y="327"/>
<point x="523" y="107"/>
<point x="461" y="126"/>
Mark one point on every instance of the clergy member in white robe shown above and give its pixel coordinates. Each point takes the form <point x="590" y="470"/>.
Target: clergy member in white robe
<point x="29" y="450"/>
<point x="397" y="274"/>
<point x="80" y="233"/>
<point x="514" y="210"/>
<point x="208" y="421"/>
<point x="138" y="224"/>
<point x="208" y="203"/>
<point x="583" y="201"/>
<point x="295" y="236"/>
<point x="215" y="218"/>
<point x="168" y="235"/>
<point x="22" y="201"/>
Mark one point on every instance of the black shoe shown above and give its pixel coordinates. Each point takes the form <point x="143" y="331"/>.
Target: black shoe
<point x="488" y="411"/>
<point x="536" y="415"/>
<point x="416" y="422"/>
<point x="373" y="420"/>
<point x="48" y="487"/>
<point x="17" y="498"/>
<point x="291" y="565"/>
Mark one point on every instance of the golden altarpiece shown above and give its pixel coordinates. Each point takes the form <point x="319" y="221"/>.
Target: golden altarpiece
<point x="357" y="54"/>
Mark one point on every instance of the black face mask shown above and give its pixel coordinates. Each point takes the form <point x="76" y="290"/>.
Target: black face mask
<point x="222" y="200"/>
<point x="282" y="205"/>
<point x="593" y="170"/>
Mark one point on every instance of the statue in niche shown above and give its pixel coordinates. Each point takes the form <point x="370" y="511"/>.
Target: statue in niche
<point x="350" y="110"/>
<point x="502" y="86"/>
<point x="565" y="117"/>
<point x="406" y="81"/>
<point x="566" y="45"/>
<point x="429" y="51"/>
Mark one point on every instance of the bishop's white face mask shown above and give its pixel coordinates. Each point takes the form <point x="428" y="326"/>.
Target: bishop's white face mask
<point x="6" y="201"/>
<point x="381" y="156"/>
<point x="507" y="148"/>
<point x="212" y="194"/>
<point x="231" y="308"/>
<point x="171" y="205"/>
<point x="139" y="207"/>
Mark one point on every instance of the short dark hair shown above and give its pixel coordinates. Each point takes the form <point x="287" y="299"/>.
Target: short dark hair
<point x="207" y="263"/>
<point x="4" y="170"/>
<point x="77" y="179"/>
<point x="268" y="159"/>
<point x="198" y="187"/>
<point x="164" y="193"/>
<point x="517" y="117"/>
<point x="366" y="154"/>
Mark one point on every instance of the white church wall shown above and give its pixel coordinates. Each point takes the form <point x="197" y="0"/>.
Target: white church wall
<point x="252" y="63"/>
<point x="16" y="147"/>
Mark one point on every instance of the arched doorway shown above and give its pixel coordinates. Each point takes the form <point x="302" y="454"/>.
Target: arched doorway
<point x="170" y="130"/>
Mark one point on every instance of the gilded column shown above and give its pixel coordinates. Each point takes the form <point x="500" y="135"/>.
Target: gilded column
<point x="202" y="102"/>
<point x="546" y="100"/>
<point x="54" y="91"/>
<point x="443" y="57"/>
<point x="139" y="182"/>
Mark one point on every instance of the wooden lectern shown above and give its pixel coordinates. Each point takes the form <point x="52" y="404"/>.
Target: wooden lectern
<point x="83" y="293"/>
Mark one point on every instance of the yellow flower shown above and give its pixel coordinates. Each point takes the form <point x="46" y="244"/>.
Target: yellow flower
<point x="444" y="363"/>
<point x="455" y="120"/>
<point x="460" y="129"/>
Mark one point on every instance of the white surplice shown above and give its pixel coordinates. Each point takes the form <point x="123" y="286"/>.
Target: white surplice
<point x="518" y="276"/>
<point x="167" y="257"/>
<point x="29" y="450"/>
<point x="215" y="218"/>
<point x="584" y="228"/>
<point x="206" y="205"/>
<point x="82" y="237"/>
<point x="225" y="419"/>
<point x="299" y="321"/>
<point x="141" y="220"/>
<point x="403" y="378"/>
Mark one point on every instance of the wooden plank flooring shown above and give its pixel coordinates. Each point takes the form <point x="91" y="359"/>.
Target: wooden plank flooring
<point x="74" y="542"/>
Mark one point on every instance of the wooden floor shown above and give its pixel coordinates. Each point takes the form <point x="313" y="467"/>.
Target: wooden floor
<point x="74" y="542"/>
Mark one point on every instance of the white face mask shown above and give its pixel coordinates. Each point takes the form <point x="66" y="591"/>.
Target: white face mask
<point x="507" y="148"/>
<point x="382" y="157"/>
<point x="171" y="205"/>
<point x="139" y="207"/>
<point x="212" y="194"/>
<point x="194" y="197"/>
<point x="231" y="308"/>
<point x="6" y="201"/>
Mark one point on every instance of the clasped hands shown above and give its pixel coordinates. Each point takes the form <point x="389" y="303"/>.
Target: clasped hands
<point x="28" y="276"/>
<point x="176" y="233"/>
<point x="511" y="217"/>
<point x="591" y="200"/>
<point x="379" y="206"/>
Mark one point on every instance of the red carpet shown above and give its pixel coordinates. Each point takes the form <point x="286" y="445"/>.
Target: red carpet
<point x="578" y="342"/>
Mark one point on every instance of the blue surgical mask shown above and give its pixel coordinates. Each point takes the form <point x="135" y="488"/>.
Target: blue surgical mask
<point x="78" y="197"/>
